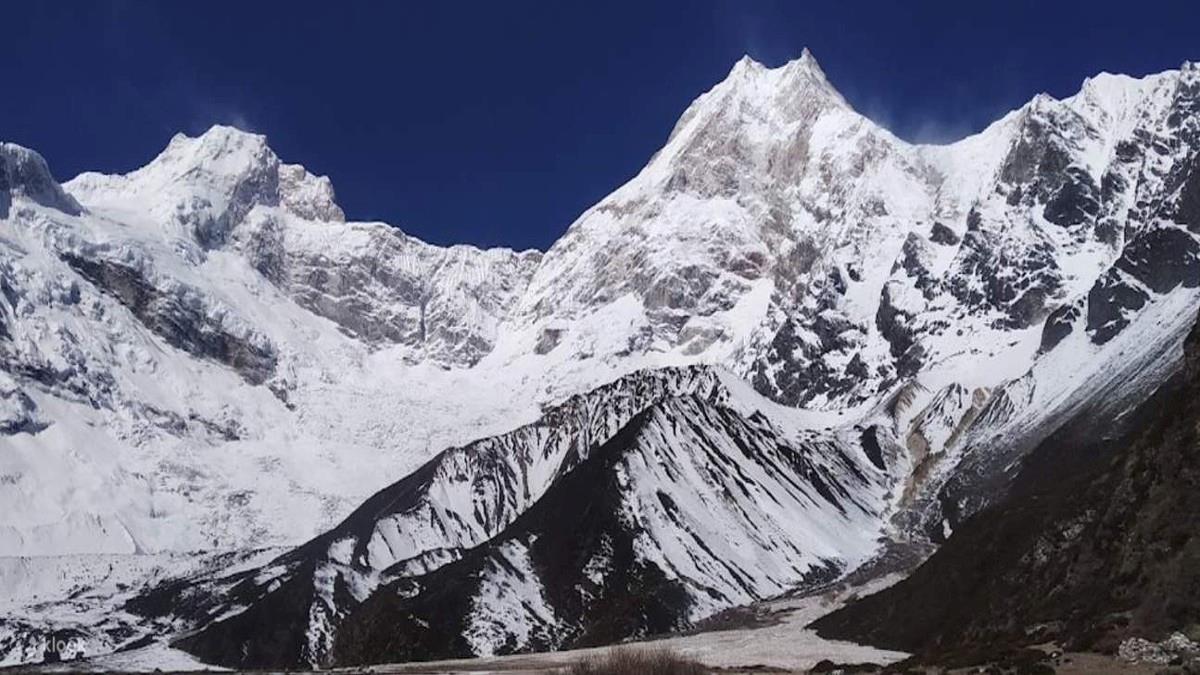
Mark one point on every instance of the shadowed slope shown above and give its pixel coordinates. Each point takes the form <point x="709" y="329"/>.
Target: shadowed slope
<point x="1098" y="543"/>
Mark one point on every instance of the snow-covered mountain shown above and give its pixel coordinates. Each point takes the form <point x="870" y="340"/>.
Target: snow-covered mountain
<point x="703" y="437"/>
<point x="1094" y="550"/>
<point x="196" y="359"/>
<point x="204" y="355"/>
<point x="690" y="509"/>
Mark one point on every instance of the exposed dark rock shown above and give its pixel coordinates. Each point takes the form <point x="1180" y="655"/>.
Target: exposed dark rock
<point x="179" y="318"/>
<point x="1108" y="231"/>
<point x="1111" y="186"/>
<point x="974" y="221"/>
<point x="1029" y="308"/>
<point x="9" y="307"/>
<point x="262" y="244"/>
<point x="892" y="323"/>
<point x="827" y="666"/>
<point x="857" y="368"/>
<point x="18" y="412"/>
<point x="1095" y="544"/>
<point x="73" y="380"/>
<point x="1188" y="212"/>
<point x="993" y="274"/>
<point x="836" y="282"/>
<point x="914" y="260"/>
<point x="1163" y="259"/>
<point x="548" y="340"/>
<point x="870" y="444"/>
<point x="1127" y="151"/>
<point x="1074" y="203"/>
<point x="1038" y="158"/>
<point x="1108" y="301"/>
<point x="795" y="370"/>
<point x="1059" y="325"/>
<point x="1014" y="195"/>
<point x="944" y="235"/>
<point x="896" y="325"/>
<point x="272" y="632"/>
<point x="1189" y="203"/>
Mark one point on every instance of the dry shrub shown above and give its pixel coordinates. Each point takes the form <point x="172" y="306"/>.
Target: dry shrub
<point x="635" y="661"/>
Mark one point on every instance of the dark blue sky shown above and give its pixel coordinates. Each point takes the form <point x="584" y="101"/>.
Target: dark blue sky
<point x="497" y="123"/>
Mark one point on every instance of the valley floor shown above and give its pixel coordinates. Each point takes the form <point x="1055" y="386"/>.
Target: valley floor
<point x="770" y="637"/>
<point x="779" y="642"/>
<point x="776" y="641"/>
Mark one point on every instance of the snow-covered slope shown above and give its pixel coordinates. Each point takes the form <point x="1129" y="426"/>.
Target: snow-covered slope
<point x="721" y="475"/>
<point x="188" y="361"/>
<point x="1098" y="526"/>
<point x="204" y="354"/>
<point x="459" y="499"/>
<point x="690" y="509"/>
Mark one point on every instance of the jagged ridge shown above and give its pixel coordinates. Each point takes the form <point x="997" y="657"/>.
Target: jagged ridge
<point x="1096" y="545"/>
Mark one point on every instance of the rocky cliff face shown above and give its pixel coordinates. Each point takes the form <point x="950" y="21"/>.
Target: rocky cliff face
<point x="1096" y="545"/>
<point x="674" y="523"/>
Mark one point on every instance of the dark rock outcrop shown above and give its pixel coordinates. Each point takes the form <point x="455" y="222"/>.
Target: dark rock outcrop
<point x="1058" y="326"/>
<point x="427" y="617"/>
<point x="1096" y="543"/>
<point x="18" y="412"/>
<point x="1163" y="259"/>
<point x="1158" y="260"/>
<point x="1076" y="201"/>
<point x="943" y="235"/>
<point x="1188" y="212"/>
<point x="181" y="318"/>
<point x="795" y="370"/>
